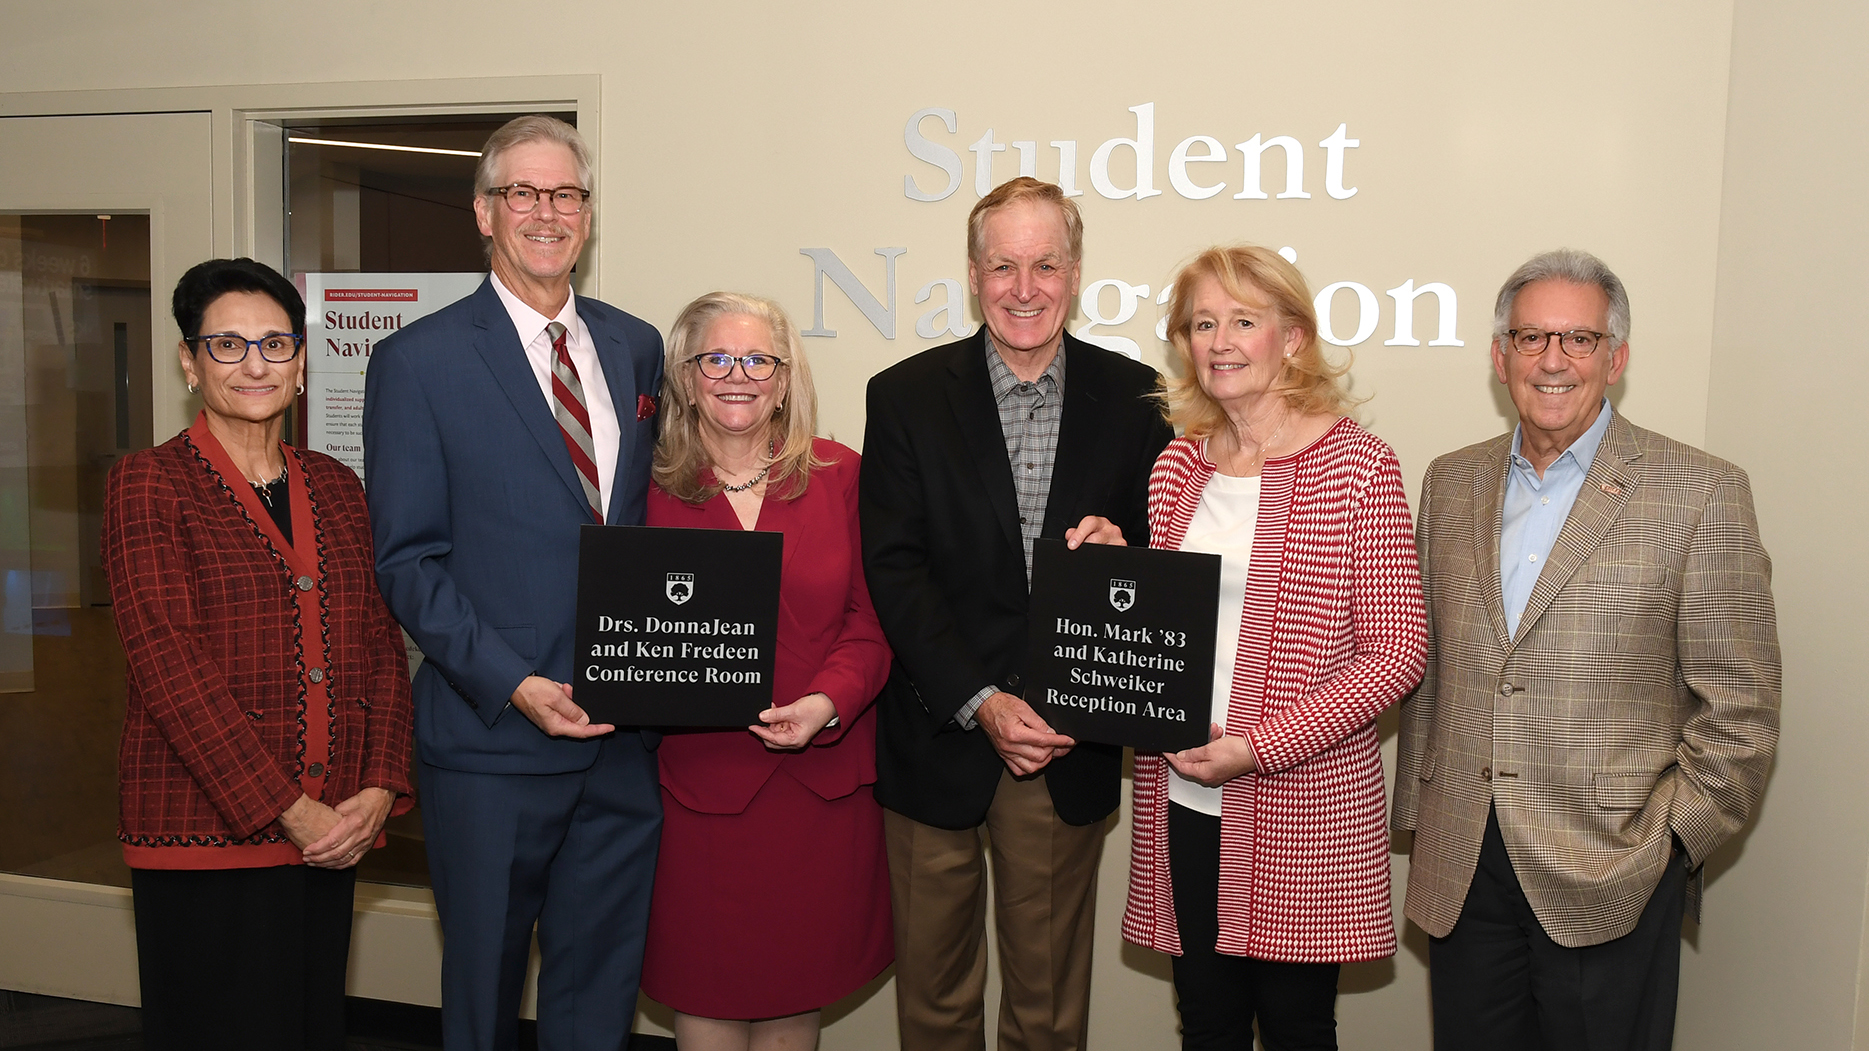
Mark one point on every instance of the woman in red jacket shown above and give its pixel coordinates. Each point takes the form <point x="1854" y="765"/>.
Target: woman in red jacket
<point x="1261" y="859"/>
<point x="772" y="887"/>
<point x="267" y="732"/>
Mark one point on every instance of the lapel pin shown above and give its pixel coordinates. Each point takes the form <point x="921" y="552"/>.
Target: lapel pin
<point x="1610" y="487"/>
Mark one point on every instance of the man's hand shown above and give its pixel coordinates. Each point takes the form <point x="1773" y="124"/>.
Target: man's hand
<point x="359" y="819"/>
<point x="1094" y="529"/>
<point x="1218" y="761"/>
<point x="548" y="705"/>
<point x="792" y="727"/>
<point x="1020" y="737"/>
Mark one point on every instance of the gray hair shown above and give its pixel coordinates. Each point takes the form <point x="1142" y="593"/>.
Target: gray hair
<point x="535" y="127"/>
<point x="1576" y="267"/>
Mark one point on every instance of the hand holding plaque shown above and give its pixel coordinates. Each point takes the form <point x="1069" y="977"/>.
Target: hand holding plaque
<point x="1122" y="643"/>
<point x="676" y="627"/>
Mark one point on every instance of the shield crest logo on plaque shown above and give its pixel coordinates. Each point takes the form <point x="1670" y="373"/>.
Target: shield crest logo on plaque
<point x="1122" y="594"/>
<point x="679" y="587"/>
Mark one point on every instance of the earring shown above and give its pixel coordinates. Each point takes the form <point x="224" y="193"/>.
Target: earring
<point x="192" y="389"/>
<point x="302" y="386"/>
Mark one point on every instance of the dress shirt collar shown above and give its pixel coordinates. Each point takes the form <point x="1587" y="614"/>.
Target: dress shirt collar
<point x="528" y="322"/>
<point x="1049" y="382"/>
<point x="1582" y="452"/>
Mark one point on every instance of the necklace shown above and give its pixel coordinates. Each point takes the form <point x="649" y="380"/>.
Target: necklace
<point x="749" y="483"/>
<point x="264" y="489"/>
<point x="753" y="481"/>
<point x="1258" y="458"/>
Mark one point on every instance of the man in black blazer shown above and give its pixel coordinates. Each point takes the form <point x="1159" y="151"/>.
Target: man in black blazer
<point x="972" y="451"/>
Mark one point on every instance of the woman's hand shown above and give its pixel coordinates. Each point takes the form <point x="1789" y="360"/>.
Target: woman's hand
<point x="359" y="819"/>
<point x="1218" y="761"/>
<point x="307" y="821"/>
<point x="792" y="727"/>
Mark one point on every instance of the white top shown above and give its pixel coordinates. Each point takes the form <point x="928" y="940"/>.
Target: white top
<point x="606" y="433"/>
<point x="1223" y="524"/>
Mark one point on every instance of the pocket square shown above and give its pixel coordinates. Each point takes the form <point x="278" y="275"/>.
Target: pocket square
<point x="645" y="407"/>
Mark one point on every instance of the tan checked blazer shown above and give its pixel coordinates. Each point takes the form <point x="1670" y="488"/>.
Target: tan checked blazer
<point x="1639" y="698"/>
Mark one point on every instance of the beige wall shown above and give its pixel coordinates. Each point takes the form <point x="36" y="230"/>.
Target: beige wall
<point x="1780" y="960"/>
<point x="734" y="134"/>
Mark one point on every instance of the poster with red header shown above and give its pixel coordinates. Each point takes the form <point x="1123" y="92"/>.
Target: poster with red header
<point x="346" y="315"/>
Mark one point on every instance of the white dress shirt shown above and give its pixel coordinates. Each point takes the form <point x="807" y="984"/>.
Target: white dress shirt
<point x="606" y="432"/>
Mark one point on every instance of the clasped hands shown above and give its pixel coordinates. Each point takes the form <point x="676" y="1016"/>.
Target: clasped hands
<point x="337" y="837"/>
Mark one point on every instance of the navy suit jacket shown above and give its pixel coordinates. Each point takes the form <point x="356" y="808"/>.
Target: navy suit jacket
<point x="475" y="508"/>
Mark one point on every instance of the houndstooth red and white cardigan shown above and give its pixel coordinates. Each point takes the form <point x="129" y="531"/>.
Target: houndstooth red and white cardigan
<point x="1333" y="632"/>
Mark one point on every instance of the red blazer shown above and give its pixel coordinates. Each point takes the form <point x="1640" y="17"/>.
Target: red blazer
<point x="829" y="643"/>
<point x="1333" y="632"/>
<point x="257" y="670"/>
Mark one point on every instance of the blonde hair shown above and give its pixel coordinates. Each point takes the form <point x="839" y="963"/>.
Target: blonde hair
<point x="1249" y="274"/>
<point x="679" y="454"/>
<point x="1023" y="189"/>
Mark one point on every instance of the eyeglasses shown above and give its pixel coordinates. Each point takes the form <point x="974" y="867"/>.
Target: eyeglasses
<point x="720" y="366"/>
<point x="522" y="198"/>
<point x="230" y="349"/>
<point x="1577" y="343"/>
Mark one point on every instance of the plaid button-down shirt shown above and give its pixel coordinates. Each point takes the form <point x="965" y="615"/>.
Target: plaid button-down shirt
<point x="1029" y="418"/>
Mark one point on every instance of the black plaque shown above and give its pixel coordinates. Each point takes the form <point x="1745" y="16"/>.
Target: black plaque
<point x="1123" y="644"/>
<point x="676" y="627"/>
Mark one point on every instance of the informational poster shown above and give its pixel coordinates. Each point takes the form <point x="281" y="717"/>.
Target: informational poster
<point x="1122" y="643"/>
<point x="676" y="627"/>
<point x="346" y="315"/>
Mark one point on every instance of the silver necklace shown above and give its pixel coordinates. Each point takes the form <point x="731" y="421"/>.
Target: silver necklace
<point x="264" y="488"/>
<point x="753" y="481"/>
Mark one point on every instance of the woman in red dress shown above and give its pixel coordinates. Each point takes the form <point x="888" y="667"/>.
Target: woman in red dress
<point x="772" y="886"/>
<point x="267" y="731"/>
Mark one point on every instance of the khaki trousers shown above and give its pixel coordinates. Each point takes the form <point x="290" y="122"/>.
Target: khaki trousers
<point x="1045" y="896"/>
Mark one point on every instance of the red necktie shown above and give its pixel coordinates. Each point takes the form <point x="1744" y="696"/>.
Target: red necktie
<point x="574" y="420"/>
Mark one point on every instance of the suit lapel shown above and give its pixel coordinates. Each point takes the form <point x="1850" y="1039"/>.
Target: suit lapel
<point x="970" y="395"/>
<point x="499" y="346"/>
<point x="1077" y="445"/>
<point x="1605" y="493"/>
<point x="1489" y="508"/>
<point x="613" y="354"/>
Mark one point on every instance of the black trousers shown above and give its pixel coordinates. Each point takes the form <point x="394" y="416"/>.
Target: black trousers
<point x="1498" y="981"/>
<point x="243" y="959"/>
<point x="1220" y="996"/>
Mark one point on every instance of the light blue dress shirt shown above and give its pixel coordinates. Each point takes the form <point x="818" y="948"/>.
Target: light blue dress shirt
<point x="1536" y="509"/>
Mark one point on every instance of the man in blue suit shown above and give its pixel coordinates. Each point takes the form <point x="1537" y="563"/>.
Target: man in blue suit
<point x="493" y="429"/>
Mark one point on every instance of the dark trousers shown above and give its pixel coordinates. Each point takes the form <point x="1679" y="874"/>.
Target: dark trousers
<point x="574" y="853"/>
<point x="1220" y="996"/>
<point x="1498" y="981"/>
<point x="235" y="959"/>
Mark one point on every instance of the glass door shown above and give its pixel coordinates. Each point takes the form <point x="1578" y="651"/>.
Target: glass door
<point x="99" y="215"/>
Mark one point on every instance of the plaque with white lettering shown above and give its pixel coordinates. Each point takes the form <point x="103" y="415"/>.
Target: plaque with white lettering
<point x="1122" y="644"/>
<point x="676" y="627"/>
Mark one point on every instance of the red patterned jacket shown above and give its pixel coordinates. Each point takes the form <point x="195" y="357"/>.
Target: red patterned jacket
<point x="1333" y="633"/>
<point x="257" y="669"/>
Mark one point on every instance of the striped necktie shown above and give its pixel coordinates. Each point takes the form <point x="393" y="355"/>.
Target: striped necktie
<point x="574" y="420"/>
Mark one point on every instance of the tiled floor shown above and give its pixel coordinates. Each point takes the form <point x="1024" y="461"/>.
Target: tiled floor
<point x="47" y="1023"/>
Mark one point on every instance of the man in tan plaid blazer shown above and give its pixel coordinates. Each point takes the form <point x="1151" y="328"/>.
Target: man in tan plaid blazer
<point x="1601" y="697"/>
